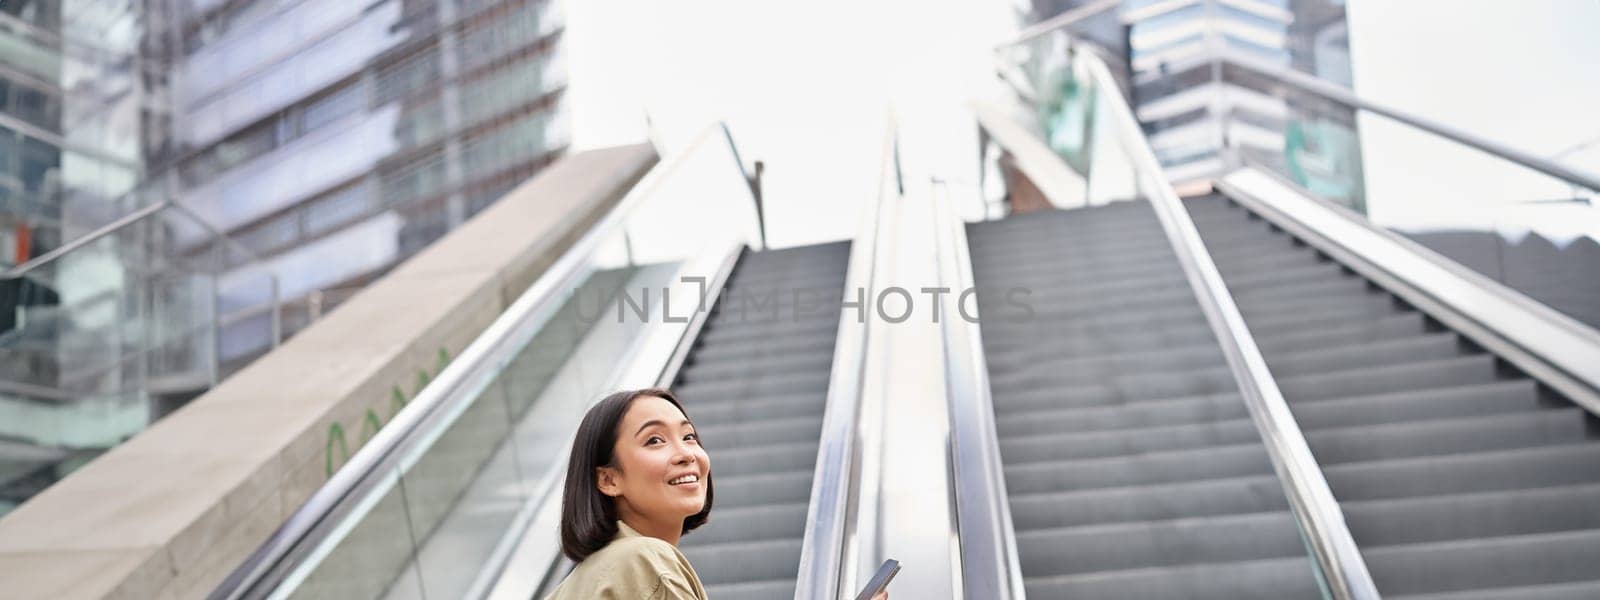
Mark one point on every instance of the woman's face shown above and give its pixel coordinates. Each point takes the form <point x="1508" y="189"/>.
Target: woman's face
<point x="660" y="473"/>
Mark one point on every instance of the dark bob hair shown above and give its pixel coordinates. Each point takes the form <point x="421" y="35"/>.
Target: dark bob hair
<point x="588" y="517"/>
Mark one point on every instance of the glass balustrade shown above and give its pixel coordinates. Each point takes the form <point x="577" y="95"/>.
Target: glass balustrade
<point x="441" y="510"/>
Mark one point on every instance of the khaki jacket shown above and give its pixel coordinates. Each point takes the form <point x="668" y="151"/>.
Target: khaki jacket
<point x="632" y="567"/>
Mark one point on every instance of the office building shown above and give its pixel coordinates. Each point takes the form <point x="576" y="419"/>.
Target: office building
<point x="217" y="174"/>
<point x="81" y="114"/>
<point x="334" y="139"/>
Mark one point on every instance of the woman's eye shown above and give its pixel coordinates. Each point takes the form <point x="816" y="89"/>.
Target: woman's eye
<point x="654" y="439"/>
<point x="692" y="437"/>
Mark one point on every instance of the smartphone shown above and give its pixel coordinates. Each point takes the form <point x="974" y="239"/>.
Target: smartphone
<point x="880" y="580"/>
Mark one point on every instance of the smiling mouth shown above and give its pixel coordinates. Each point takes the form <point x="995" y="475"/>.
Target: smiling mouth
<point x="685" y="479"/>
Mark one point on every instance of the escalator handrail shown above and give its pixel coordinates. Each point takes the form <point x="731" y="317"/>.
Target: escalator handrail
<point x="1341" y="567"/>
<point x="828" y="546"/>
<point x="1339" y="95"/>
<point x="299" y="535"/>
<point x="990" y="567"/>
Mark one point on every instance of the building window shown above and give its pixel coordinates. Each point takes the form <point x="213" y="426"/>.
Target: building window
<point x="415" y="180"/>
<point x="44" y="14"/>
<point x="276" y="233"/>
<point x="349" y="98"/>
<point x="423" y="227"/>
<point x="410" y="74"/>
<point x="338" y="208"/>
<point x="237" y="148"/>
<point x="39" y="160"/>
<point x="37" y="107"/>
<point x="497" y="36"/>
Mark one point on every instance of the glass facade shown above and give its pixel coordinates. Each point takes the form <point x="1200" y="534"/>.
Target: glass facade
<point x="249" y="164"/>
<point x="74" y="112"/>
<point x="81" y="114"/>
<point x="1190" y="111"/>
<point x="335" y="139"/>
<point x="1200" y="114"/>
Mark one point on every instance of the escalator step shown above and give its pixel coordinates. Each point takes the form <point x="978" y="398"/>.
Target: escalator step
<point x="764" y="431"/>
<point x="1290" y="336"/>
<point x="766" y="458"/>
<point x="1480" y="515"/>
<point x="1299" y="275"/>
<point x="1419" y="405"/>
<point x="1087" y="368"/>
<point x="1461" y="473"/>
<point x="757" y="365"/>
<point x="779" y="382"/>
<point x="1369" y="354"/>
<point x="1142" y="469"/>
<point x="1524" y="560"/>
<point x="709" y="412"/>
<point x="1157" y="413"/>
<point x="751" y="523"/>
<point x="1119" y="546"/>
<point x="1125" y="442"/>
<point x="761" y="489"/>
<point x="1269" y="579"/>
<point x="1581" y="590"/>
<point x="1239" y="495"/>
<point x="775" y="589"/>
<point x="1447" y="436"/>
<point x="1395" y="378"/>
<point x="738" y="562"/>
<point x="1119" y="389"/>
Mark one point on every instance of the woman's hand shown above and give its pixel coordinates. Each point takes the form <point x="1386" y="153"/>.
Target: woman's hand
<point x="883" y="595"/>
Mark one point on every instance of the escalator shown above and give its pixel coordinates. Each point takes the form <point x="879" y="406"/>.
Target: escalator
<point x="756" y="385"/>
<point x="1131" y="463"/>
<point x="1414" y="429"/>
<point x="1459" y="475"/>
<point x="472" y="468"/>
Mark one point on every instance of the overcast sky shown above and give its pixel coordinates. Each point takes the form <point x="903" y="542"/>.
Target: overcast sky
<point x="805" y="86"/>
<point x="1521" y="73"/>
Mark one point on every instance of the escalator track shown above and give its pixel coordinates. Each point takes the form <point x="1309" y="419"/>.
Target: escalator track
<point x="1459" y="475"/>
<point x="756" y="385"/>
<point x="1131" y="463"/>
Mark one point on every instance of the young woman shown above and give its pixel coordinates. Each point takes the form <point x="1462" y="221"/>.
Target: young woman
<point x="636" y="482"/>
